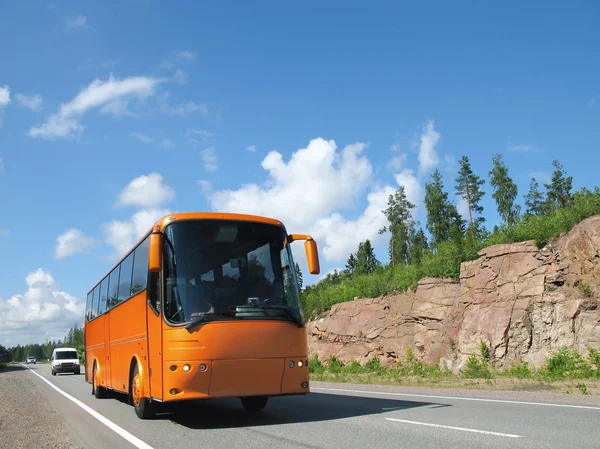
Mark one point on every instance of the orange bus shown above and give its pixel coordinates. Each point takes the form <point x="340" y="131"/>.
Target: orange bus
<point x="205" y="305"/>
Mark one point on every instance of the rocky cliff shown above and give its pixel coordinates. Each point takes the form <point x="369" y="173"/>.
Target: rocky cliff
<point x="523" y="302"/>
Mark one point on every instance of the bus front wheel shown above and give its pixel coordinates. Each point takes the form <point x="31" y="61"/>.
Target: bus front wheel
<point x="98" y="391"/>
<point x="254" y="403"/>
<point x="144" y="409"/>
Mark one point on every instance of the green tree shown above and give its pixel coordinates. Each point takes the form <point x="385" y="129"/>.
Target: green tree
<point x="534" y="199"/>
<point x="442" y="214"/>
<point x="366" y="262"/>
<point x="418" y="247"/>
<point x="558" y="192"/>
<point x="505" y="191"/>
<point x="400" y="225"/>
<point x="468" y="187"/>
<point x="299" y="275"/>
<point x="350" y="265"/>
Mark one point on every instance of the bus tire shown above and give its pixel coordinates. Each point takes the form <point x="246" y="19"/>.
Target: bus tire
<point x="144" y="409"/>
<point x="98" y="391"/>
<point x="254" y="404"/>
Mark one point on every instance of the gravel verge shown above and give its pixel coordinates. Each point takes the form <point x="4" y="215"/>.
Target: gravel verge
<point x="27" y="419"/>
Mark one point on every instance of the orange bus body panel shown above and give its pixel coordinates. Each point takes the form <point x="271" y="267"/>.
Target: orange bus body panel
<point x="128" y="339"/>
<point x="242" y="358"/>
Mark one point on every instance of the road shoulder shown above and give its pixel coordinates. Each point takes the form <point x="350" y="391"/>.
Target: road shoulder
<point x="27" y="419"/>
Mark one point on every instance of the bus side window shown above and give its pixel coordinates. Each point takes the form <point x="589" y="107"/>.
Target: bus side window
<point x="140" y="267"/>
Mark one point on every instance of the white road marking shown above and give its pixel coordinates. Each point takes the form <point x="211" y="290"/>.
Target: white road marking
<point x="456" y="398"/>
<point x="108" y="423"/>
<point x="464" y="429"/>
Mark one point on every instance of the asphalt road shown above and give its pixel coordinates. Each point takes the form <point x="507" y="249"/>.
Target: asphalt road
<point x="331" y="416"/>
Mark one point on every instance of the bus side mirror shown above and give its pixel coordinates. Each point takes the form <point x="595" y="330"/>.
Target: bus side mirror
<point x="310" y="247"/>
<point x="312" y="256"/>
<point x="155" y="259"/>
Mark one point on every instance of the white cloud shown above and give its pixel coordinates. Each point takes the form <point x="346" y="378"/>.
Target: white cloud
<point x="182" y="109"/>
<point x="99" y="93"/>
<point x="209" y="158"/>
<point x="180" y="77"/>
<point x="415" y="192"/>
<point x="167" y="144"/>
<point x="4" y="101"/>
<point x="141" y="137"/>
<point x="463" y="207"/>
<point x="33" y="102"/>
<point x="118" y="107"/>
<point x="251" y="148"/>
<point x="4" y="96"/>
<point x="428" y="157"/>
<point x="541" y="177"/>
<point x="200" y="132"/>
<point x="146" y="191"/>
<point x="183" y="55"/>
<point x="71" y="242"/>
<point x="122" y="235"/>
<point x="397" y="162"/>
<point x="43" y="312"/>
<point x="77" y="22"/>
<point x="523" y="148"/>
<point x="205" y="186"/>
<point x="338" y="237"/>
<point x="108" y="64"/>
<point x="316" y="181"/>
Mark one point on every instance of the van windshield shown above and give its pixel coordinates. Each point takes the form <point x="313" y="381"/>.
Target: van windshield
<point x="62" y="355"/>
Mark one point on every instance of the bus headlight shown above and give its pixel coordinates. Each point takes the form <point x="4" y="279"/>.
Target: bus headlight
<point x="202" y="367"/>
<point x="300" y="364"/>
<point x="291" y="364"/>
<point x="186" y="368"/>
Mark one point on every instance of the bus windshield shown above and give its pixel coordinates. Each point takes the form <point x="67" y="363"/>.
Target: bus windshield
<point x="224" y="267"/>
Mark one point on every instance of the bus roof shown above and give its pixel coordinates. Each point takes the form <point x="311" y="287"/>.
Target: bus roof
<point x="169" y="218"/>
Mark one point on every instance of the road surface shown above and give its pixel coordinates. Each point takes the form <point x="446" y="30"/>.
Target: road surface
<point x="332" y="416"/>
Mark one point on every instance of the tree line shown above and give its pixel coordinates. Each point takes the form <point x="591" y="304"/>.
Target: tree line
<point x="73" y="339"/>
<point x="447" y="229"/>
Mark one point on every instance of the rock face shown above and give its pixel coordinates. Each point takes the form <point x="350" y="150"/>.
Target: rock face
<point x="523" y="302"/>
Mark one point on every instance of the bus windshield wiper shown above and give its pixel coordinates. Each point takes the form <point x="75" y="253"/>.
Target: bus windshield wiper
<point x="206" y="318"/>
<point x="286" y="310"/>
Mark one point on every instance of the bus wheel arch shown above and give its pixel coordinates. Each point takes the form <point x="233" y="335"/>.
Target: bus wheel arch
<point x="144" y="409"/>
<point x="98" y="391"/>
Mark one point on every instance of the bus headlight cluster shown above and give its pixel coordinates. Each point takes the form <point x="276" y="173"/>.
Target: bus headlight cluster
<point x="301" y="363"/>
<point x="187" y="367"/>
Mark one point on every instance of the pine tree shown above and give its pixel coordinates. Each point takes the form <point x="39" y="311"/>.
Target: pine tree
<point x="366" y="262"/>
<point x="442" y="214"/>
<point x="558" y="192"/>
<point x="418" y="248"/>
<point x="350" y="265"/>
<point x="299" y="276"/>
<point x="468" y="186"/>
<point x="505" y="191"/>
<point x="534" y="199"/>
<point x="400" y="225"/>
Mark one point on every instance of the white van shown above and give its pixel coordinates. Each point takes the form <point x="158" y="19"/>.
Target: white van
<point x="65" y="360"/>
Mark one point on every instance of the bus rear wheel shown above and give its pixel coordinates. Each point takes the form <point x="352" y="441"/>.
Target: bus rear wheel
<point x="144" y="409"/>
<point x="254" y="404"/>
<point x="98" y="391"/>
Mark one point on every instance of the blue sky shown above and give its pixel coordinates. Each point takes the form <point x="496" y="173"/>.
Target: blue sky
<point x="115" y="113"/>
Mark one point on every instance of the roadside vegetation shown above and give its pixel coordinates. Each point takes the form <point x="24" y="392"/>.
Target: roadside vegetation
<point x="43" y="352"/>
<point x="450" y="239"/>
<point x="565" y="368"/>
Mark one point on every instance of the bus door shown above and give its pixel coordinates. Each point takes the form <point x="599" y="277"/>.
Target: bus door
<point x="107" y="374"/>
<point x="154" y="320"/>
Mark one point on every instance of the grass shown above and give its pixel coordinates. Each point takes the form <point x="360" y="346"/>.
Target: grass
<point x="565" y="370"/>
<point x="445" y="262"/>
